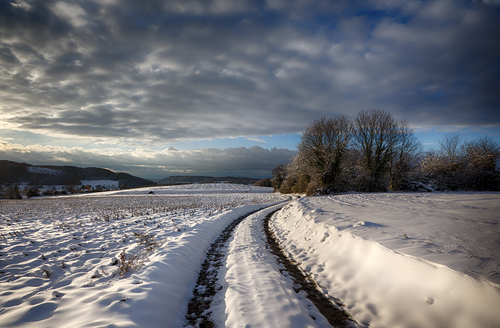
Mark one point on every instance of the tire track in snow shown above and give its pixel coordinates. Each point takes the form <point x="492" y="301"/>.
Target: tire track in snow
<point x="208" y="284"/>
<point x="198" y="313"/>
<point x="329" y="308"/>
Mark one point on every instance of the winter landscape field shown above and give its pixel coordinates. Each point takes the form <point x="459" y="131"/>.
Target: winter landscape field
<point x="131" y="258"/>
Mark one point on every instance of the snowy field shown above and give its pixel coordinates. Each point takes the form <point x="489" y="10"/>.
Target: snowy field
<point x="210" y="188"/>
<point x="131" y="258"/>
<point x="60" y="257"/>
<point x="401" y="259"/>
<point x="109" y="184"/>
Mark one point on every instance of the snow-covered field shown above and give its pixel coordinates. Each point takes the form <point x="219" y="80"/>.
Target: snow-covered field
<point x="60" y="256"/>
<point x="109" y="184"/>
<point x="208" y="188"/>
<point x="402" y="259"/>
<point x="394" y="259"/>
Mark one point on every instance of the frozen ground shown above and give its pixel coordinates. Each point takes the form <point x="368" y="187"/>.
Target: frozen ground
<point x="210" y="188"/>
<point x="254" y="293"/>
<point x="60" y="256"/>
<point x="110" y="184"/>
<point x="401" y="259"/>
<point x="395" y="260"/>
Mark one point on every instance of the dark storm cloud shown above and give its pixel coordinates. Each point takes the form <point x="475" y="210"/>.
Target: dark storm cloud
<point x="171" y="70"/>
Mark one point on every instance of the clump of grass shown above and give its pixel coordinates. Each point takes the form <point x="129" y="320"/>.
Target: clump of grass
<point x="127" y="263"/>
<point x="148" y="240"/>
<point x="46" y="273"/>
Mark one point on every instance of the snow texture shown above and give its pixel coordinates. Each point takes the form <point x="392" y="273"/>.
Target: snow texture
<point x="59" y="256"/>
<point x="394" y="259"/>
<point x="389" y="256"/>
<point x="255" y="293"/>
<point x="110" y="184"/>
<point x="43" y="170"/>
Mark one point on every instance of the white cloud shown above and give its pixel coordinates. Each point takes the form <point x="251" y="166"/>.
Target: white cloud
<point x="259" y="140"/>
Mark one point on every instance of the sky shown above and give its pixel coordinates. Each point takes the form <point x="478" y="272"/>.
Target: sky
<point x="225" y="87"/>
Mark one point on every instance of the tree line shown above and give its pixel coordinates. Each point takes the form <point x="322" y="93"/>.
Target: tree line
<point x="376" y="152"/>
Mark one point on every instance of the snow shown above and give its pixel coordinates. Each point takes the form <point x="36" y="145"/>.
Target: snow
<point x="255" y="293"/>
<point x="43" y="170"/>
<point x="394" y="259"/>
<point x="77" y="285"/>
<point x="209" y="188"/>
<point x="389" y="257"/>
<point x="110" y="184"/>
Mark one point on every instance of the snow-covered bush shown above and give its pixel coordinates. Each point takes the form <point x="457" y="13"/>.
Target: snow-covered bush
<point x="384" y="154"/>
<point x="372" y="153"/>
<point x="462" y="166"/>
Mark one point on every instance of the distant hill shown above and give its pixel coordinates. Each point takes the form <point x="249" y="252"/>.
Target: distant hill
<point x="204" y="179"/>
<point x="13" y="172"/>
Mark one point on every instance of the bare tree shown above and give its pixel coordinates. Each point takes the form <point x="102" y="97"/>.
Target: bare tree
<point x="323" y="147"/>
<point x="376" y="136"/>
<point x="442" y="165"/>
<point x="482" y="154"/>
<point x="448" y="168"/>
<point x="451" y="150"/>
<point x="404" y="155"/>
<point x="297" y="176"/>
<point x="480" y="165"/>
<point x="279" y="175"/>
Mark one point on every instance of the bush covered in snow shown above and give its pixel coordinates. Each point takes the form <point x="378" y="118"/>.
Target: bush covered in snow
<point x="462" y="165"/>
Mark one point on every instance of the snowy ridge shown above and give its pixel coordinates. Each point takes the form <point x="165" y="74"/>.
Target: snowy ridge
<point x="381" y="287"/>
<point x="43" y="170"/>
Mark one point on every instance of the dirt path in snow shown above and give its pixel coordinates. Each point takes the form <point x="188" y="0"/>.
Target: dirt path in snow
<point x="207" y="285"/>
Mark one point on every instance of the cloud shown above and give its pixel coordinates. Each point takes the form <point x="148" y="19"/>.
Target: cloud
<point x="259" y="140"/>
<point x="251" y="162"/>
<point x="490" y="2"/>
<point x="156" y="70"/>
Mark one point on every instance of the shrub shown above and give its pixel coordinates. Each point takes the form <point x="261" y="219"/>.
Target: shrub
<point x="462" y="166"/>
<point x="267" y="182"/>
<point x="148" y="240"/>
<point x="33" y="192"/>
<point x="127" y="263"/>
<point x="13" y="193"/>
